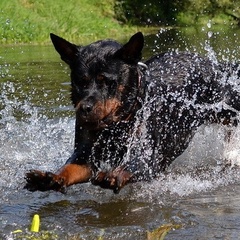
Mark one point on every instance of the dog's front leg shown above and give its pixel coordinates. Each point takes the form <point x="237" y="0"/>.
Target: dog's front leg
<point x="115" y="179"/>
<point x="68" y="175"/>
<point x="76" y="170"/>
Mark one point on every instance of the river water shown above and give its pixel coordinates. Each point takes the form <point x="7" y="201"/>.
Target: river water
<point x="37" y="130"/>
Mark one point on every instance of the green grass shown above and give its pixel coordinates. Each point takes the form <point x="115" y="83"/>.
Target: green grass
<point x="80" y="21"/>
<point x="191" y="19"/>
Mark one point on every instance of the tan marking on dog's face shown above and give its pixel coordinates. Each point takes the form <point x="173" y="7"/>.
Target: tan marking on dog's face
<point x="108" y="108"/>
<point x="102" y="114"/>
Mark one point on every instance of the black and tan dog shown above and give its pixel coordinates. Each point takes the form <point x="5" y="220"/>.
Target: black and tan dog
<point x="133" y="119"/>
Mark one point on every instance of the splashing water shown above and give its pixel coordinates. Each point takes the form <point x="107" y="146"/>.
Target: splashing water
<point x="35" y="141"/>
<point x="30" y="139"/>
<point x="202" y="166"/>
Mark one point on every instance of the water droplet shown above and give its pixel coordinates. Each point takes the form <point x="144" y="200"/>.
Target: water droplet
<point x="8" y="21"/>
<point x="210" y="34"/>
<point x="209" y="24"/>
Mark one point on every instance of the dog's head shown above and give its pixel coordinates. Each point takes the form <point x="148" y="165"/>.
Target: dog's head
<point x="104" y="78"/>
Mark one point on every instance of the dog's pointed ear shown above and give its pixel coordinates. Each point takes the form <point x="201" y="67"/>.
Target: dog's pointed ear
<point x="131" y="52"/>
<point x="67" y="50"/>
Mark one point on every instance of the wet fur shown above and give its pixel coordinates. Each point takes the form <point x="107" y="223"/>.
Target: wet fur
<point x="111" y="94"/>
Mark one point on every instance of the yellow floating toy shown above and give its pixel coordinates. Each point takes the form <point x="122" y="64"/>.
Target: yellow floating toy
<point x="35" y="223"/>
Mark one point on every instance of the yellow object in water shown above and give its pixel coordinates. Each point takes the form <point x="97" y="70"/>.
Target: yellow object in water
<point x="17" y="231"/>
<point x="35" y="223"/>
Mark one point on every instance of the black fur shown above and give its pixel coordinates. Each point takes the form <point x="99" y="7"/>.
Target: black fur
<point x="152" y="109"/>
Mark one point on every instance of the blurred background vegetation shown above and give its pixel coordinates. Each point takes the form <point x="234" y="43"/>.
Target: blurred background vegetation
<point x="178" y="12"/>
<point x="31" y="21"/>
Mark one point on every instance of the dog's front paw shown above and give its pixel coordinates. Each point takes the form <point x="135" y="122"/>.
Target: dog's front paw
<point x="115" y="179"/>
<point x="44" y="181"/>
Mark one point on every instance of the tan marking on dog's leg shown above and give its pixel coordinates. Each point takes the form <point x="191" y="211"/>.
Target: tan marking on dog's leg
<point x="74" y="173"/>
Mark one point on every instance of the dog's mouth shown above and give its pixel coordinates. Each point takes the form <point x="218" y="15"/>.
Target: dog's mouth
<point x="100" y="116"/>
<point x="94" y="123"/>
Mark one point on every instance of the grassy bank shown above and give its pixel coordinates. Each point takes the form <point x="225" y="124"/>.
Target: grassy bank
<point x="84" y="21"/>
<point x="81" y="21"/>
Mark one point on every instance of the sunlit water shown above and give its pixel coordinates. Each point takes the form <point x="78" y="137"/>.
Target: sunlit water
<point x="37" y="130"/>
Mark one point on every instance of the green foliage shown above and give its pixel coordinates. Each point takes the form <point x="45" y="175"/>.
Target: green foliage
<point x="24" y="21"/>
<point x="31" y="21"/>
<point x="201" y="11"/>
<point x="179" y="12"/>
<point x="146" y="12"/>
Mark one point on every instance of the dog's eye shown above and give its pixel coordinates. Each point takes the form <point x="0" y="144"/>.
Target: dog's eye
<point x="85" y="78"/>
<point x="105" y="81"/>
<point x="85" y="81"/>
<point x="101" y="80"/>
<point x="101" y="77"/>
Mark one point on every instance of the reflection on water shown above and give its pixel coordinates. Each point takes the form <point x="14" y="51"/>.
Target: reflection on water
<point x="37" y="129"/>
<point x="36" y="75"/>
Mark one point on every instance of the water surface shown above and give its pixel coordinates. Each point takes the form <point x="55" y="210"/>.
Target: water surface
<point x="37" y="130"/>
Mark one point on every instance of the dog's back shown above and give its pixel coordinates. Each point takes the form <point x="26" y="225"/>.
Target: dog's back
<point x="184" y="92"/>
